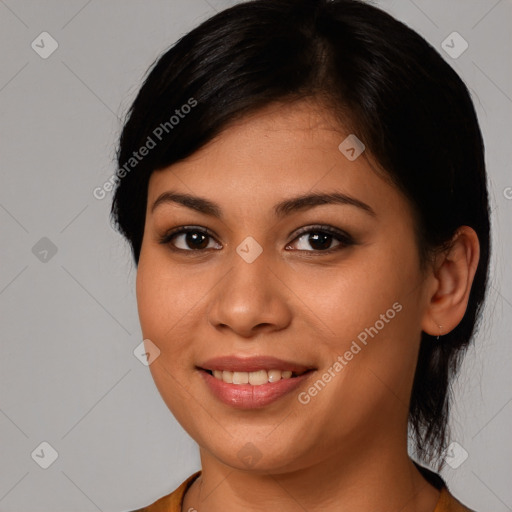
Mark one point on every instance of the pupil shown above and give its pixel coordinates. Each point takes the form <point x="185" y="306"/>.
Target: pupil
<point x="322" y="240"/>
<point x="193" y="238"/>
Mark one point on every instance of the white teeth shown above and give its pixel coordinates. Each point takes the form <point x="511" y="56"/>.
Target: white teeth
<point x="255" y="378"/>
<point x="258" y="378"/>
<point x="240" y="378"/>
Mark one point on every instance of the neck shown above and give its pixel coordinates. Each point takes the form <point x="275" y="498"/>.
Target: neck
<point x="380" y="477"/>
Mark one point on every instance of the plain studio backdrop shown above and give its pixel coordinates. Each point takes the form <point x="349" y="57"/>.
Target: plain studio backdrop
<point x="74" y="396"/>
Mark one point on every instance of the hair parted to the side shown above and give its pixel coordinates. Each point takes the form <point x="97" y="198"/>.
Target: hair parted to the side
<point x="383" y="82"/>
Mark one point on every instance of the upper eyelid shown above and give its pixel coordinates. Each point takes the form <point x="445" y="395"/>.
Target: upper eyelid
<point x="302" y="231"/>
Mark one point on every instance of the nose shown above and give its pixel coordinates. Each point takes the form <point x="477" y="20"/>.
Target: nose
<point x="251" y="299"/>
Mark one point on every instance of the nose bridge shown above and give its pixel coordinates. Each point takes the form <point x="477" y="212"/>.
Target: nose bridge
<point x="250" y="296"/>
<point x="249" y="276"/>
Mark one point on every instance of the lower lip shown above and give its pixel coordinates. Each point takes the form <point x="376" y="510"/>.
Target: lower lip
<point x="247" y="396"/>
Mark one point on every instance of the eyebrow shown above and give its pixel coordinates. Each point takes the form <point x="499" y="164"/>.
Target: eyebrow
<point x="281" y="209"/>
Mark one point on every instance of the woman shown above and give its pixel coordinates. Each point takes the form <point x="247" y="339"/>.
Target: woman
<point x="302" y="184"/>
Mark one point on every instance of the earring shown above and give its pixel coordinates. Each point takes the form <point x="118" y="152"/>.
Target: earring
<point x="439" y="332"/>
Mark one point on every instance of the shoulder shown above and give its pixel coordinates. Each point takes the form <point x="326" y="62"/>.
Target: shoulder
<point x="171" y="502"/>
<point x="448" y="503"/>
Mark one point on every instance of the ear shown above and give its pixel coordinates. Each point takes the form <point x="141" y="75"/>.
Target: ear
<point x="452" y="277"/>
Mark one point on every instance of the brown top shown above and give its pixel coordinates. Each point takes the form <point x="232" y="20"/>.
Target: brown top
<point x="174" y="501"/>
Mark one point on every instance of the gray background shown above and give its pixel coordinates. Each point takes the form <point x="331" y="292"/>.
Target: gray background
<point x="68" y="374"/>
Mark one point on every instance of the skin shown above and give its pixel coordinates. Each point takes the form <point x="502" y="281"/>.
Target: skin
<point x="349" y="443"/>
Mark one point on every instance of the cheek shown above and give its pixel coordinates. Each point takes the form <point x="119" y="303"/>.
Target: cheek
<point x="171" y="305"/>
<point x="164" y="294"/>
<point x="151" y="300"/>
<point x="369" y="308"/>
<point x="350" y="297"/>
<point x="163" y="304"/>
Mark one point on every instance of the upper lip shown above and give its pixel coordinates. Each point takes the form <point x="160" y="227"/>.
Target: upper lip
<point x="252" y="364"/>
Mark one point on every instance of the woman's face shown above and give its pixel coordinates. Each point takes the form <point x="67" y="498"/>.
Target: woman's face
<point x="250" y="280"/>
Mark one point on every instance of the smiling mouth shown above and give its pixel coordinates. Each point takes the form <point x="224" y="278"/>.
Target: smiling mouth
<point x="255" y="378"/>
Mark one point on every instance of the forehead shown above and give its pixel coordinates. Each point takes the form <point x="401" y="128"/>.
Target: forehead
<point x="279" y="151"/>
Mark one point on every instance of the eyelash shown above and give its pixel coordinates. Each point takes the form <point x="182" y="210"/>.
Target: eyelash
<point x="345" y="239"/>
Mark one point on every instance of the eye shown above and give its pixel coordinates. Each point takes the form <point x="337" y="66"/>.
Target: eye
<point x="320" y="238"/>
<point x="188" y="239"/>
<point x="196" y="239"/>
